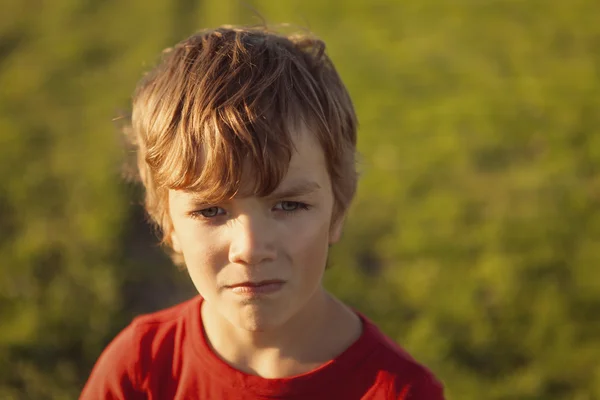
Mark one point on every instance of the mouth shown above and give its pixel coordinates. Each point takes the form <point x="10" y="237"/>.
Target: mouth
<point x="250" y="288"/>
<point x="257" y="283"/>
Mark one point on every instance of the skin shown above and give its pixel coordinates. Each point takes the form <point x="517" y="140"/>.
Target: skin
<point x="285" y="236"/>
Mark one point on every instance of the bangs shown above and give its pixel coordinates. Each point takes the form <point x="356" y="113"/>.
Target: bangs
<point x="230" y="159"/>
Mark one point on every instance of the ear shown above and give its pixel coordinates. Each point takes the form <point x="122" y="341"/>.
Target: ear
<point x="335" y="230"/>
<point x="175" y="242"/>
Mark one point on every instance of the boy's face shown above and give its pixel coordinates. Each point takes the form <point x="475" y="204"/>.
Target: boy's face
<point x="258" y="261"/>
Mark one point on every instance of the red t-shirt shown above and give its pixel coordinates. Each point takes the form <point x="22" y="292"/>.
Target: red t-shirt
<point x="165" y="355"/>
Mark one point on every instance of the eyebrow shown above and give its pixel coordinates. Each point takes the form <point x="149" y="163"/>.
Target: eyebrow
<point x="296" y="189"/>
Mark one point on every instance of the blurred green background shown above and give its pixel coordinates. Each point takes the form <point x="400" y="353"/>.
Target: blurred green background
<point x="474" y="240"/>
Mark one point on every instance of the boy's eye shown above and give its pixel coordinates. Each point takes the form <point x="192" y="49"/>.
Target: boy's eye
<point x="210" y="212"/>
<point x="290" y="206"/>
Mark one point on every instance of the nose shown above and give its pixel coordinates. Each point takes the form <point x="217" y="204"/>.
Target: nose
<point x="252" y="241"/>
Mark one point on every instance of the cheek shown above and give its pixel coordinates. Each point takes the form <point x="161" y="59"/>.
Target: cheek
<point x="204" y="266"/>
<point x="202" y="255"/>
<point x="309" y="242"/>
<point x="202" y="251"/>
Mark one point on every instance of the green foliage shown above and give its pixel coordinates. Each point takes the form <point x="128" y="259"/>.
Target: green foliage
<point x="473" y="240"/>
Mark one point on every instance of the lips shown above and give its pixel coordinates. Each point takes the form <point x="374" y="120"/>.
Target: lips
<point x="257" y="288"/>
<point x="257" y="284"/>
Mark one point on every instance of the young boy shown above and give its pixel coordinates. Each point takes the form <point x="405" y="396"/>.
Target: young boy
<point x="246" y="142"/>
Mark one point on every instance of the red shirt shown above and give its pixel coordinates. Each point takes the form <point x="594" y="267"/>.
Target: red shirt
<point x="165" y="355"/>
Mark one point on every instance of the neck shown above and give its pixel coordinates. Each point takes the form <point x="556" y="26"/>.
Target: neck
<point x="319" y="332"/>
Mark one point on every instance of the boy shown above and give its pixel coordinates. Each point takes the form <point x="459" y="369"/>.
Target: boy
<point x="246" y="142"/>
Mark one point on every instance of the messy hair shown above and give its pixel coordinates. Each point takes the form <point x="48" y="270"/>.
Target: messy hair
<point x="231" y="98"/>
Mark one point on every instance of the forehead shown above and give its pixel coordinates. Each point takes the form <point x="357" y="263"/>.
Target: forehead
<point x="308" y="157"/>
<point x="307" y="164"/>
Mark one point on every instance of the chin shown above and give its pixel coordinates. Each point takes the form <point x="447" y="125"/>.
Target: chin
<point x="259" y="318"/>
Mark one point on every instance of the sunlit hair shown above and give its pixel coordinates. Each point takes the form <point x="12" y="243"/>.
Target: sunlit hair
<point x="230" y="99"/>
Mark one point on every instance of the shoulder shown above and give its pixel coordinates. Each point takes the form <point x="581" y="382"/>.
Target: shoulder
<point x="149" y="340"/>
<point x="168" y="315"/>
<point x="406" y="378"/>
<point x="161" y="325"/>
